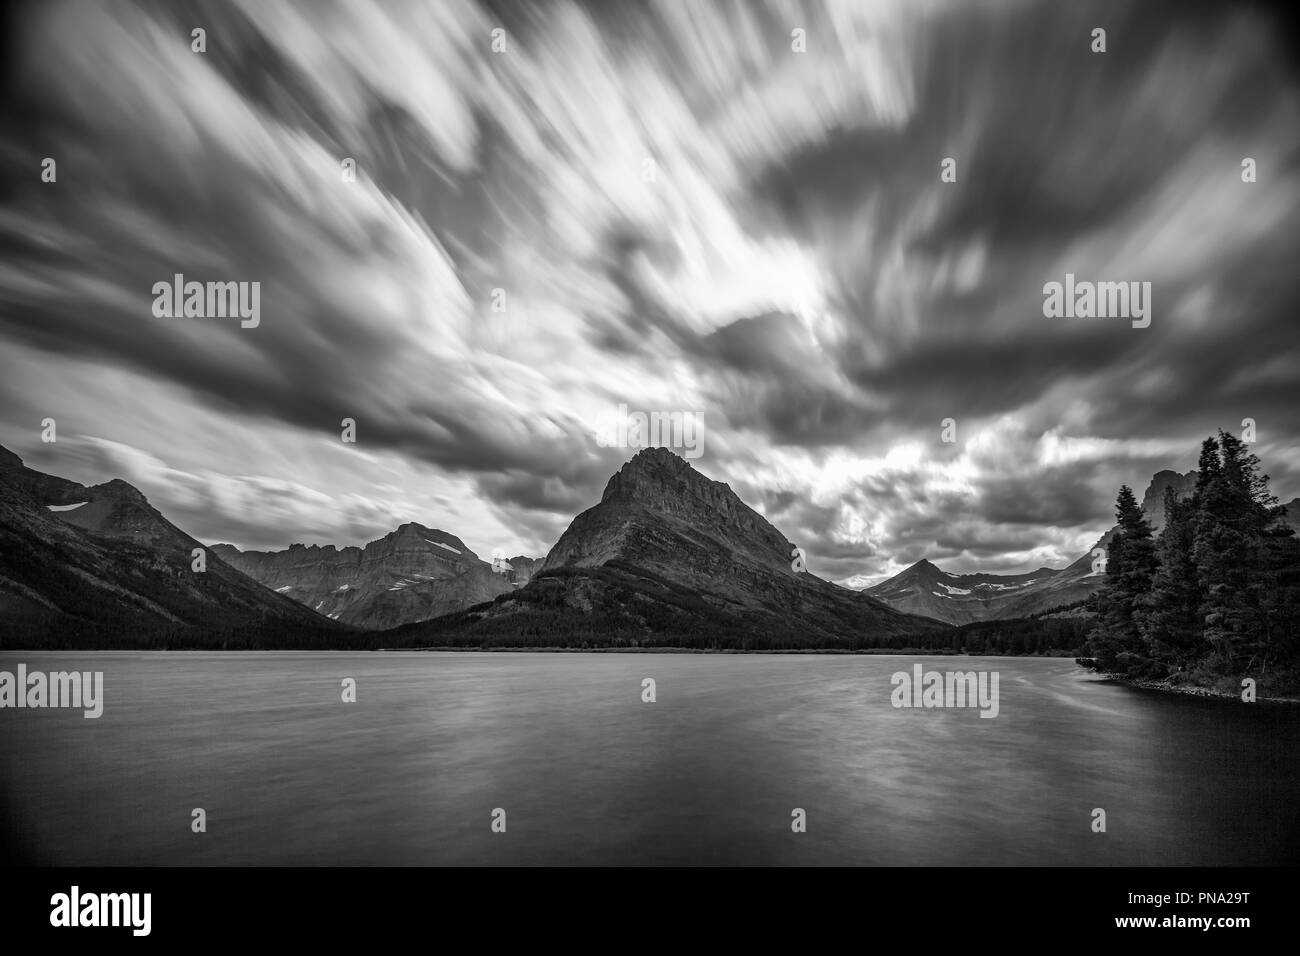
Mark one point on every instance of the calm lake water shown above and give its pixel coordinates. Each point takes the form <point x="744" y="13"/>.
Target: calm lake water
<point x="589" y="774"/>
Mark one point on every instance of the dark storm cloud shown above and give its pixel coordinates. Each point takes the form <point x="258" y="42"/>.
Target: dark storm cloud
<point x="1055" y="145"/>
<point x="1064" y="497"/>
<point x="563" y="494"/>
<point x="769" y="377"/>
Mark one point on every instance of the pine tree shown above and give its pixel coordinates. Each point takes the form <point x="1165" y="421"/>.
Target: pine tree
<point x="1213" y="571"/>
<point x="1169" y="620"/>
<point x="1235" y="514"/>
<point x="1130" y="565"/>
<point x="1104" y="641"/>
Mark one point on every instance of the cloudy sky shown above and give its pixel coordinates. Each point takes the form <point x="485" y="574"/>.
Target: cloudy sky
<point x="683" y="213"/>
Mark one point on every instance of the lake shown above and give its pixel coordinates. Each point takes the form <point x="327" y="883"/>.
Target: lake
<point x="588" y="773"/>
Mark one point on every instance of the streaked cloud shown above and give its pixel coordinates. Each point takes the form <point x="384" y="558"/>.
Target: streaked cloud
<point x="682" y="213"/>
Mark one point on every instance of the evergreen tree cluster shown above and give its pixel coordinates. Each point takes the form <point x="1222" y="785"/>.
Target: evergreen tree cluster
<point x="1217" y="590"/>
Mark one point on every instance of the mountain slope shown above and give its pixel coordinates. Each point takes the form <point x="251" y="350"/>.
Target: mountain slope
<point x="669" y="557"/>
<point x="98" y="566"/>
<point x="411" y="574"/>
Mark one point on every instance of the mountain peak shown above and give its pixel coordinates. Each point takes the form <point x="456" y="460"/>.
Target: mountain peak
<point x="1163" y="479"/>
<point x="657" y="453"/>
<point x="649" y="468"/>
<point x="426" y="535"/>
<point x="1153" y="502"/>
<point x="411" y="527"/>
<point x="119" y="490"/>
<point x="657" y="504"/>
<point x="923" y="570"/>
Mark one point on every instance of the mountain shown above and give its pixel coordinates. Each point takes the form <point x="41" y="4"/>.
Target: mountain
<point x="1153" y="502"/>
<point x="960" y="598"/>
<point x="98" y="566"/>
<point x="963" y="598"/>
<point x="669" y="557"/>
<point x="522" y="569"/>
<point x="411" y="574"/>
<point x="1153" y="507"/>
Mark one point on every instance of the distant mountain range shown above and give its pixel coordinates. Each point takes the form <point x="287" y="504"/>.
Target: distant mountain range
<point x="925" y="589"/>
<point x="671" y="558"/>
<point x="964" y="598"/>
<point x="667" y="557"/>
<point x="411" y="574"/>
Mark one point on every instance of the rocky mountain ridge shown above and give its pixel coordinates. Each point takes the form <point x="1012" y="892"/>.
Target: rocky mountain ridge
<point x="411" y="574"/>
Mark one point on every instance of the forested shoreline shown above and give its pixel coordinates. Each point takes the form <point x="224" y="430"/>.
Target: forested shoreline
<point x="1214" y="598"/>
